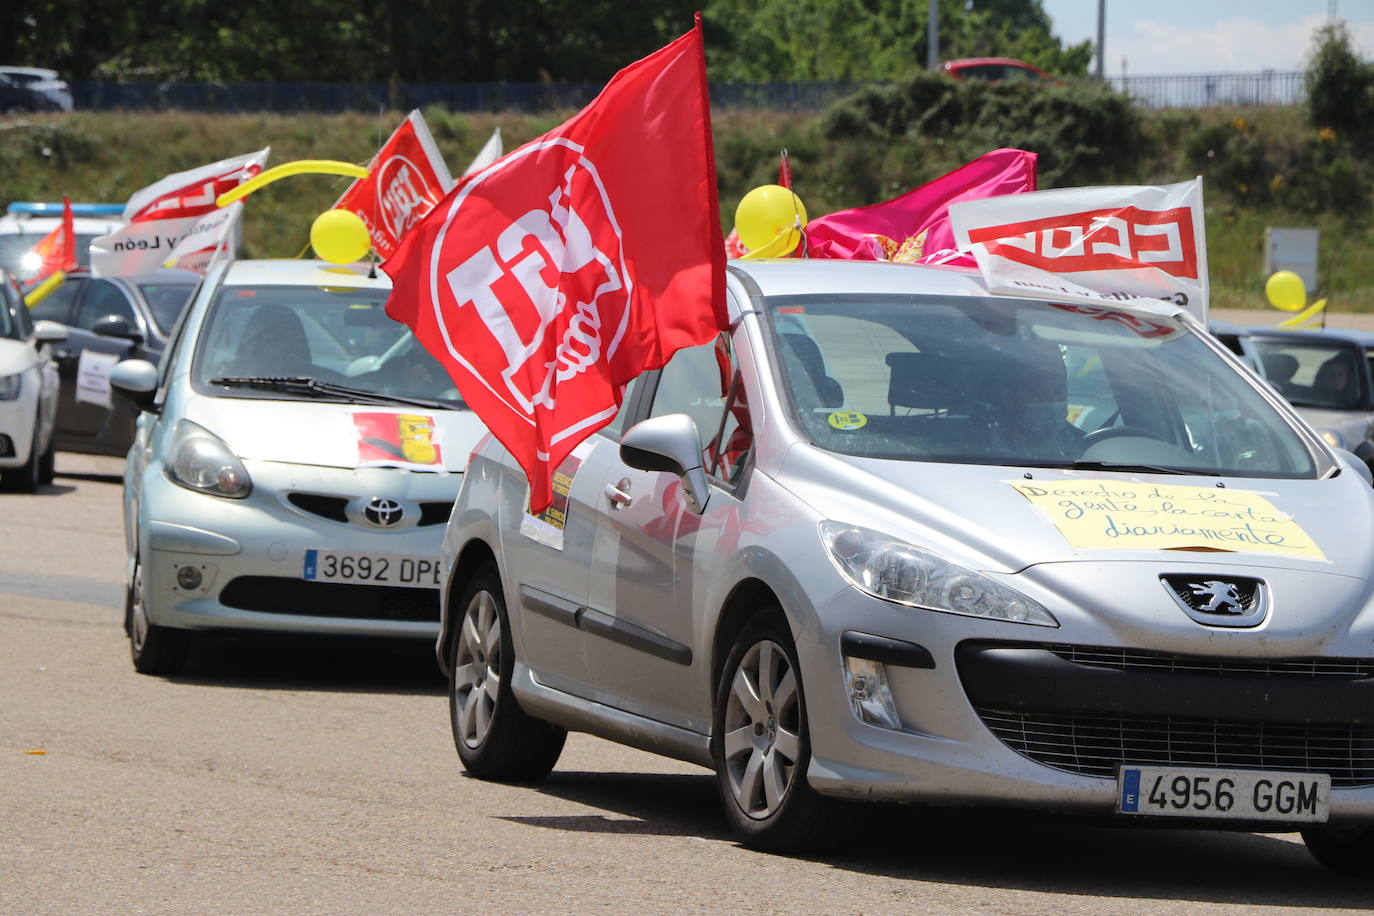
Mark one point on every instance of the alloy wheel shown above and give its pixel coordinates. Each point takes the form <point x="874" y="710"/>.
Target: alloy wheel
<point x="477" y="676"/>
<point x="762" y="730"/>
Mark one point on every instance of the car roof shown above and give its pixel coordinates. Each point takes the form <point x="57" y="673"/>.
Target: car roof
<point x="161" y="275"/>
<point x="796" y="277"/>
<point x="32" y="71"/>
<point x="1326" y="335"/>
<point x="302" y="273"/>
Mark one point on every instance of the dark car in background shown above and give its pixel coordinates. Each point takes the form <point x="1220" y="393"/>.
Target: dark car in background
<point x="18" y="98"/>
<point x="119" y="318"/>
<point x="1327" y="376"/>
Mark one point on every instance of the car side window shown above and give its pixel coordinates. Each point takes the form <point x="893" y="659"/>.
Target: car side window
<point x="22" y="319"/>
<point x="57" y="305"/>
<point x="104" y="298"/>
<point x="702" y="383"/>
<point x="616" y="428"/>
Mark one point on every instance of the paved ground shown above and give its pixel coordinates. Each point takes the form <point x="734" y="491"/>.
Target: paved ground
<point x="322" y="779"/>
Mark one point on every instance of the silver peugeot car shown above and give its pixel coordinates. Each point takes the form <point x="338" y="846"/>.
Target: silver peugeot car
<point x="296" y="458"/>
<point x="893" y="538"/>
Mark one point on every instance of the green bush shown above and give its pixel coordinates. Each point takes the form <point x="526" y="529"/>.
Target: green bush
<point x="1340" y="87"/>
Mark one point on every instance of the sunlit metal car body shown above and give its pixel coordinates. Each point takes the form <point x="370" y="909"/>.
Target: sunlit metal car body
<point x="863" y="492"/>
<point x="246" y="477"/>
<point x="28" y="392"/>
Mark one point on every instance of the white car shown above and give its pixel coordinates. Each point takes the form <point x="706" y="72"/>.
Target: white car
<point x="43" y="81"/>
<point x="28" y="392"/>
<point x="25" y="223"/>
<point x="296" y="459"/>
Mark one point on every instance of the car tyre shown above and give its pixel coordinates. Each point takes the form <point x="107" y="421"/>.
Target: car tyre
<point x="761" y="743"/>
<point x="1346" y="850"/>
<point x="495" y="738"/>
<point x="154" y="649"/>
<point x="26" y="477"/>
<point x="47" y="464"/>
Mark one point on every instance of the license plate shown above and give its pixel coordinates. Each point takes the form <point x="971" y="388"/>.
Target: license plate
<point x="1247" y="795"/>
<point x="371" y="569"/>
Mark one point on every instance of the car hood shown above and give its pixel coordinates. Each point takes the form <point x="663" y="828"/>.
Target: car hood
<point x="981" y="517"/>
<point x="339" y="435"/>
<point x="15" y="356"/>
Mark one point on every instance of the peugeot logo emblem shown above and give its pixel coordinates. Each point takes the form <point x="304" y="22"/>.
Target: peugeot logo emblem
<point x="1222" y="597"/>
<point x="381" y="512"/>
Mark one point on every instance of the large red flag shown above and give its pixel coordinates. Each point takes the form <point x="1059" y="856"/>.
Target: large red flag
<point x="406" y="179"/>
<point x="547" y="281"/>
<point x="916" y="225"/>
<point x="57" y="249"/>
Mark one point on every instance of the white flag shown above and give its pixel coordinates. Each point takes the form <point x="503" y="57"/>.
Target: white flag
<point x="1127" y="245"/>
<point x="489" y="153"/>
<point x="161" y="215"/>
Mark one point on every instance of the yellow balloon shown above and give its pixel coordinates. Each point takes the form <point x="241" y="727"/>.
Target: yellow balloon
<point x="339" y="237"/>
<point x="771" y="218"/>
<point x="299" y="167"/>
<point x="1286" y="291"/>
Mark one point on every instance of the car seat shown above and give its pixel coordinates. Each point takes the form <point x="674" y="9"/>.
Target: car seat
<point x="274" y="344"/>
<point x="801" y="353"/>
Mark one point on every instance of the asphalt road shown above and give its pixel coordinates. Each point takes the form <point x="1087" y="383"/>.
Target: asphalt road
<point x="322" y="779"/>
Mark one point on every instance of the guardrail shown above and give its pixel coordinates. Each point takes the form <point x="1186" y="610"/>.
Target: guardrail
<point x="1212" y="90"/>
<point x="1191" y="90"/>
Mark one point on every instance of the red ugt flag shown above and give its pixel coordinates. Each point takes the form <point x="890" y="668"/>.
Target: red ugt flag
<point x="406" y="179"/>
<point x="57" y="249"/>
<point x="547" y="281"/>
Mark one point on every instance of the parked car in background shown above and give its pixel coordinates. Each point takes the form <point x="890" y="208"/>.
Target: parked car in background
<point x="853" y="550"/>
<point x="297" y="457"/>
<point x="19" y="99"/>
<point x="1326" y="375"/>
<point x="25" y="223"/>
<point x="120" y="318"/>
<point x="47" y="83"/>
<point x="28" y="392"/>
<point x="996" y="70"/>
<point x="1237" y="340"/>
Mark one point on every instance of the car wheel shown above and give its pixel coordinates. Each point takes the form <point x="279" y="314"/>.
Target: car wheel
<point x="495" y="738"/>
<point x="27" y="476"/>
<point x="47" y="464"/>
<point x="155" y="649"/>
<point x="1347" y="850"/>
<point x="761" y="744"/>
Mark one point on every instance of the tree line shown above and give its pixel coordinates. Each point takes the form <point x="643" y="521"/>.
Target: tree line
<point x="461" y="41"/>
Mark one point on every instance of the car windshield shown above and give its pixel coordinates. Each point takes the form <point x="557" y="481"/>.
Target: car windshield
<point x="166" y="301"/>
<point x="1313" y="374"/>
<point x="1011" y="382"/>
<point x="340" y="336"/>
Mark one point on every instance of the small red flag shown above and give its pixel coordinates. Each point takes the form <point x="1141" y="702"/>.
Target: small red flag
<point x="57" y="249"/>
<point x="406" y="179"/>
<point x="547" y="281"/>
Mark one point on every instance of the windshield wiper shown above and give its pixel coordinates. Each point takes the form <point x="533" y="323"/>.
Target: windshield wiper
<point x="1128" y="466"/>
<point x="306" y="383"/>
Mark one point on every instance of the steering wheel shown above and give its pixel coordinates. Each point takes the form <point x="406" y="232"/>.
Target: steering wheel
<point x="1103" y="433"/>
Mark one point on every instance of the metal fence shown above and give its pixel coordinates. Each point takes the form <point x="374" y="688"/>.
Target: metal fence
<point x="1212" y="90"/>
<point x="335" y="97"/>
<point x="1192" y="90"/>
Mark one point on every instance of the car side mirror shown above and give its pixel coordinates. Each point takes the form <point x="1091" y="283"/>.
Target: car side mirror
<point x="669" y="443"/>
<point x="116" y="326"/>
<point x="135" y="380"/>
<point x="45" y="332"/>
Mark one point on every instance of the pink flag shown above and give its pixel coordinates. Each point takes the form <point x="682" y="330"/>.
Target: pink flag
<point x="915" y="226"/>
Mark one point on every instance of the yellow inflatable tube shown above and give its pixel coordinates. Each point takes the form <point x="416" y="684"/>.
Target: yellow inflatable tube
<point x="299" y="167"/>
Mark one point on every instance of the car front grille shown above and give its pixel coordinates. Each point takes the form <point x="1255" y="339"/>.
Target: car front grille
<point x="435" y="513"/>
<point x="1095" y="744"/>
<point x="335" y="508"/>
<point x="1138" y="660"/>
<point x="282" y="595"/>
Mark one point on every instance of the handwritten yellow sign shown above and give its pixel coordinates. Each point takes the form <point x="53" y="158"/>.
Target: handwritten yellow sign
<point x="1097" y="514"/>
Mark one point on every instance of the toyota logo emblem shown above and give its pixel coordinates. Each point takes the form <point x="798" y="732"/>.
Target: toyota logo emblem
<point x="381" y="512"/>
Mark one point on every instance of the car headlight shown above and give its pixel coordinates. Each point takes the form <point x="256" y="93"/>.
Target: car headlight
<point x="894" y="570"/>
<point x="10" y="386"/>
<point x="1332" y="438"/>
<point x="199" y="460"/>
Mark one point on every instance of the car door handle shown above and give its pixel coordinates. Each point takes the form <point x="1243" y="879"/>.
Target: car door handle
<point x="619" y="494"/>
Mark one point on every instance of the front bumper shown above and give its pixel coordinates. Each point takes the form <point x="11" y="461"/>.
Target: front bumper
<point x="1007" y="714"/>
<point x="251" y="553"/>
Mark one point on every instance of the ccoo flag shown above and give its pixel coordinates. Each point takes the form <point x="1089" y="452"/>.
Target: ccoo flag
<point x="547" y="281"/>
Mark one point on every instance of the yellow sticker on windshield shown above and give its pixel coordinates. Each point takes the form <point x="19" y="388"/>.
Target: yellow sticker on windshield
<point x="847" y="419"/>
<point x="1111" y="514"/>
